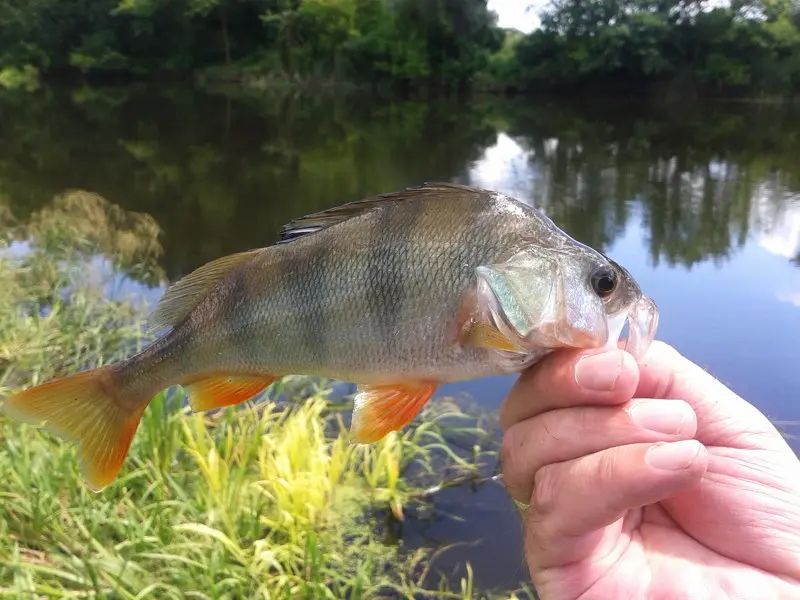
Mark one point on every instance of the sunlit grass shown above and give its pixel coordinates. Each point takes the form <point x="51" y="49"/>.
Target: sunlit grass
<point x="256" y="502"/>
<point x="266" y="500"/>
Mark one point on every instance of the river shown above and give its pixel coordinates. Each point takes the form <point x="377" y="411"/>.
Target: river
<point x="701" y="203"/>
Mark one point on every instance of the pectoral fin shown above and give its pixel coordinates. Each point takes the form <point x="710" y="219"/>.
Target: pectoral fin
<point x="485" y="335"/>
<point x="218" y="391"/>
<point x="382" y="409"/>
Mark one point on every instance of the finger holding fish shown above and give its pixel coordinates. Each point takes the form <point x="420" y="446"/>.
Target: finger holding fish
<point x="571" y="378"/>
<point x="565" y="434"/>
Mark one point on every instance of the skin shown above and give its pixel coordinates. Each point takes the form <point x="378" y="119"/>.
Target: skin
<point x="650" y="481"/>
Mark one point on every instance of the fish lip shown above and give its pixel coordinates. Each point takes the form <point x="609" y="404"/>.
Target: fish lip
<point x="616" y="323"/>
<point x="643" y="320"/>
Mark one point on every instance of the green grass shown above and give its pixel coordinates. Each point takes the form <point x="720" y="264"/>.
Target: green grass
<point x="256" y="502"/>
<point x="265" y="500"/>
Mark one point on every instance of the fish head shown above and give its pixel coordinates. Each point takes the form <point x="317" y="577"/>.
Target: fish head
<point x="570" y="296"/>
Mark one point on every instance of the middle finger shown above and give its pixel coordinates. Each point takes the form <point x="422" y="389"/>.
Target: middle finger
<point x="569" y="433"/>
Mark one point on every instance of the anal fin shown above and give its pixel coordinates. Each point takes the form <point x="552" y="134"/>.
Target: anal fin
<point x="218" y="391"/>
<point x="382" y="409"/>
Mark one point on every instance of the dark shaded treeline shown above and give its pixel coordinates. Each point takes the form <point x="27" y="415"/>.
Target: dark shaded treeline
<point x="682" y="47"/>
<point x="747" y="47"/>
<point x="435" y="42"/>
<point x="222" y="174"/>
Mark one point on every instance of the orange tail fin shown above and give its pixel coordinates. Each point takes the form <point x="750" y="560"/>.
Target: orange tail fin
<point x="86" y="409"/>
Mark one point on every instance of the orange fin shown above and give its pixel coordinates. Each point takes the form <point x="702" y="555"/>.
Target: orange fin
<point x="484" y="335"/>
<point x="382" y="409"/>
<point x="217" y="391"/>
<point x="85" y="408"/>
<point x="183" y="296"/>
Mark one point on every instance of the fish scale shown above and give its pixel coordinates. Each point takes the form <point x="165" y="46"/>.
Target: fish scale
<point x="398" y="293"/>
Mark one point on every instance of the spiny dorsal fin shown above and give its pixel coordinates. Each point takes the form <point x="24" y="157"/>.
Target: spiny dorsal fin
<point x="186" y="293"/>
<point x="338" y="214"/>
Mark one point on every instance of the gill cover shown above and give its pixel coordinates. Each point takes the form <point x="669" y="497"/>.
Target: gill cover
<point x="541" y="301"/>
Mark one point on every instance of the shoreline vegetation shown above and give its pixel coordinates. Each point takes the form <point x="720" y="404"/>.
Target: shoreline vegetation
<point x="678" y="48"/>
<point x="268" y="500"/>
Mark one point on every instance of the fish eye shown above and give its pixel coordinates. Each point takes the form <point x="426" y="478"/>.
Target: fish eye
<point x="604" y="281"/>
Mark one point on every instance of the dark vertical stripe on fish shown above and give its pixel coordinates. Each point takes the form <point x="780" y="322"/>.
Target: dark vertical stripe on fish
<point x="306" y="292"/>
<point x="387" y="266"/>
<point x="242" y="292"/>
<point x="322" y="284"/>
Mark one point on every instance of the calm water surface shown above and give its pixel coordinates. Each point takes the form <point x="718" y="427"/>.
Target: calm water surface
<point x="701" y="204"/>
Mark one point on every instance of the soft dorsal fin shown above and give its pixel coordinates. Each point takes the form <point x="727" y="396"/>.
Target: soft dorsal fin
<point x="338" y="214"/>
<point x="185" y="294"/>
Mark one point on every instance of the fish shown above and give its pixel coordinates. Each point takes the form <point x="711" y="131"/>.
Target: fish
<point x="398" y="293"/>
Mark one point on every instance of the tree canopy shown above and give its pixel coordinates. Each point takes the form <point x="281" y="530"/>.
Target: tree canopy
<point x="433" y="40"/>
<point x="742" y="47"/>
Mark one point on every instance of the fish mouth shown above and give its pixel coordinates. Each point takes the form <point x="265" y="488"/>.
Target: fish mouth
<point x="642" y="319"/>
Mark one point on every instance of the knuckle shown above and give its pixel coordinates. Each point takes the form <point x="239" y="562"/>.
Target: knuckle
<point x="666" y="349"/>
<point x="512" y="456"/>
<point x="545" y="490"/>
<point x="539" y="541"/>
<point x="661" y="352"/>
<point x="585" y="420"/>
<point x="606" y="467"/>
<point x="515" y="478"/>
<point x="509" y="446"/>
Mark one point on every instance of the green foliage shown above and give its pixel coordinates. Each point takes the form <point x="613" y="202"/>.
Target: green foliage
<point x="744" y="48"/>
<point x="26" y="78"/>
<point x="503" y="67"/>
<point x="437" y="42"/>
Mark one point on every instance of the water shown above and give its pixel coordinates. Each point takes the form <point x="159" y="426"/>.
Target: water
<point x="701" y="203"/>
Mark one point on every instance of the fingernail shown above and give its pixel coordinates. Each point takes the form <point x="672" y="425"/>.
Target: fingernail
<point x="673" y="456"/>
<point x="599" y="372"/>
<point x="662" y="416"/>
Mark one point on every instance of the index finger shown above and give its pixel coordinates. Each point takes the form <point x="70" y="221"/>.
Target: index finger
<point x="571" y="378"/>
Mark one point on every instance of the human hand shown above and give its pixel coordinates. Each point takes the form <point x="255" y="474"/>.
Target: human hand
<point x="649" y="482"/>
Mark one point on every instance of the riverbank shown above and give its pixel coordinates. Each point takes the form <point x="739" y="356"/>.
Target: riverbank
<point x="254" y="80"/>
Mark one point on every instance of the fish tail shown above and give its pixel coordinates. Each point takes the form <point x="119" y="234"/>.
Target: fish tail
<point x="90" y="409"/>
